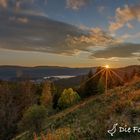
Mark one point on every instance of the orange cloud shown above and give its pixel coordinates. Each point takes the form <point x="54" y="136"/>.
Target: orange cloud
<point x="3" y="3"/>
<point x="124" y="16"/>
<point x="23" y="20"/>
<point x="95" y="38"/>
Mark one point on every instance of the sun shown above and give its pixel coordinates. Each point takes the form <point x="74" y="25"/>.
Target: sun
<point x="107" y="66"/>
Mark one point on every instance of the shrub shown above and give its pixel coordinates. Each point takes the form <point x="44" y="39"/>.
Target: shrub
<point x="46" y="97"/>
<point x="33" y="119"/>
<point x="68" y="98"/>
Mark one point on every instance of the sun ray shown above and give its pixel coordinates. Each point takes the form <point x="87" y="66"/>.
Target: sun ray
<point x="117" y="75"/>
<point x="106" y="83"/>
<point x="102" y="73"/>
<point x="111" y="76"/>
<point x="92" y="76"/>
<point x="107" y="72"/>
<point x="120" y="70"/>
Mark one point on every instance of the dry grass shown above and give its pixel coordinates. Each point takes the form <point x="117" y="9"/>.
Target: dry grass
<point x="90" y="119"/>
<point x="59" y="134"/>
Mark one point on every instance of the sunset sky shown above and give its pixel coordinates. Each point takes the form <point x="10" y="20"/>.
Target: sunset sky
<point x="72" y="33"/>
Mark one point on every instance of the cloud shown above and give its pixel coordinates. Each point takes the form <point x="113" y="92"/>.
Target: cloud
<point x="25" y="32"/>
<point x="28" y="32"/>
<point x="76" y="4"/>
<point x="23" y="5"/>
<point x="130" y="36"/>
<point x="23" y="20"/>
<point x="124" y="16"/>
<point x="130" y="26"/>
<point x="94" y="38"/>
<point x="3" y="3"/>
<point x="123" y="50"/>
<point x="39" y="34"/>
<point x="101" y="9"/>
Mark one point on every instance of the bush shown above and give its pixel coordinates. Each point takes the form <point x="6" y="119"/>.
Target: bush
<point x="68" y="98"/>
<point x="34" y="119"/>
<point x="46" y="97"/>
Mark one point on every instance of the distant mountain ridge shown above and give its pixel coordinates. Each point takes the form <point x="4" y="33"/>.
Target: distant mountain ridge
<point x="8" y="72"/>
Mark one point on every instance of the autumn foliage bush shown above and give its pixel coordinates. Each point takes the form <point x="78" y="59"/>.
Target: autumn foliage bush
<point x="68" y="98"/>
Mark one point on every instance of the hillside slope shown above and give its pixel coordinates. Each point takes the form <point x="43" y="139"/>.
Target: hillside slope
<point x="90" y="119"/>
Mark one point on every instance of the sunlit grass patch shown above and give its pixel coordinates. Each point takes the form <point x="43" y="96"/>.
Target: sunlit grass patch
<point x="59" y="134"/>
